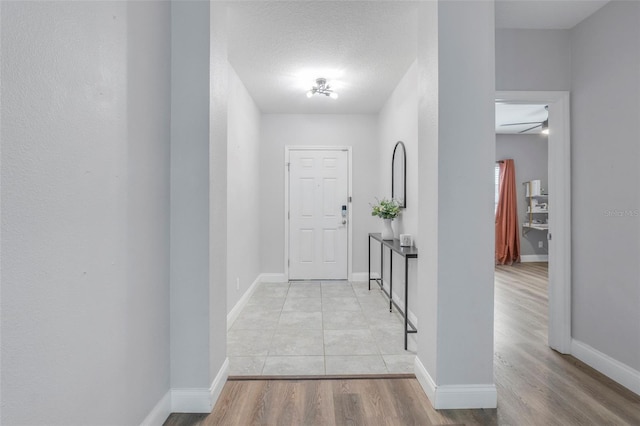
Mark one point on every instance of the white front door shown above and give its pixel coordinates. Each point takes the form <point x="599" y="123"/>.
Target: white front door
<point x="318" y="237"/>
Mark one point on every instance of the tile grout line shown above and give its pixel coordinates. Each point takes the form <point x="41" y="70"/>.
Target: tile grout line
<point x="328" y="292"/>
<point x="324" y="349"/>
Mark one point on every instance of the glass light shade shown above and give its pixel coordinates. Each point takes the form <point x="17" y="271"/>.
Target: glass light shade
<point x="309" y="94"/>
<point x="333" y="95"/>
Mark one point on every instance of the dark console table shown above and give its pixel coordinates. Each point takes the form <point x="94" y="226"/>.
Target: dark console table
<point x="407" y="253"/>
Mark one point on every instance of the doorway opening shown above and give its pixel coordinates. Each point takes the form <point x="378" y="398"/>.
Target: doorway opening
<point x="559" y="210"/>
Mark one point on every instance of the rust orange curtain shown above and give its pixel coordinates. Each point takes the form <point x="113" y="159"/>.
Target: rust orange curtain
<point x="507" y="231"/>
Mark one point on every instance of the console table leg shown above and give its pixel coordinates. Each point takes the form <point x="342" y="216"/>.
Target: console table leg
<point x="406" y="301"/>
<point x="390" y="280"/>
<point x="369" y="258"/>
<point x="381" y="265"/>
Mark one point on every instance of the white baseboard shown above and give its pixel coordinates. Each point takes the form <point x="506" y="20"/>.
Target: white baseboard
<point x="190" y="400"/>
<point x="218" y="383"/>
<point x="200" y="400"/>
<point x="614" y="369"/>
<point x="362" y="276"/>
<point x="233" y="314"/>
<point x="159" y="413"/>
<point x="459" y="397"/>
<point x="273" y="278"/>
<point x="455" y="397"/>
<point x="534" y="258"/>
<point x="425" y="380"/>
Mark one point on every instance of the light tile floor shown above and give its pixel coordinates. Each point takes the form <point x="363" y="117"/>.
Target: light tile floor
<point x="317" y="328"/>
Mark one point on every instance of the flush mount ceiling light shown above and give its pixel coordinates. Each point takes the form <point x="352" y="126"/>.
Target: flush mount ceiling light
<point x="322" y="88"/>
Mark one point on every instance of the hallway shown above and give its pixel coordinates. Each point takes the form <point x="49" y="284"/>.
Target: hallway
<point x="317" y="328"/>
<point x="536" y="385"/>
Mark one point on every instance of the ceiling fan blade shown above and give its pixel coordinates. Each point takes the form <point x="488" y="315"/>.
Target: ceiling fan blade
<point x="518" y="124"/>
<point x="530" y="128"/>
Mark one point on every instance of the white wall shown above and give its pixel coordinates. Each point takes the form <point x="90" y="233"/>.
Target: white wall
<point x="456" y="61"/>
<point x="530" y="155"/>
<point x="280" y="130"/>
<point x="85" y="211"/>
<point x="398" y="121"/>
<point x="427" y="301"/>
<point x="189" y="194"/>
<point x="218" y="108"/>
<point x="599" y="64"/>
<point x="533" y="59"/>
<point x="466" y="159"/>
<point x="605" y="176"/>
<point x="243" y="181"/>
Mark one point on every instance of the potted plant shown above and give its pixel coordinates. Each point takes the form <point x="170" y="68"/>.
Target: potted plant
<point x="387" y="210"/>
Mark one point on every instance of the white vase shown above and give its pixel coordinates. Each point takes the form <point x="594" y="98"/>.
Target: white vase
<point x="387" y="231"/>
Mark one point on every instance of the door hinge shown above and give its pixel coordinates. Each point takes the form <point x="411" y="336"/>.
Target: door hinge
<point x="289" y="215"/>
<point x="288" y="167"/>
<point x="350" y="199"/>
<point x="288" y="262"/>
<point x="549" y="236"/>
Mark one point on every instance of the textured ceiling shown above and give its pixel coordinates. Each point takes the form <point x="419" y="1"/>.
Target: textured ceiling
<point x="544" y="14"/>
<point x="363" y="49"/>
<point x="509" y="113"/>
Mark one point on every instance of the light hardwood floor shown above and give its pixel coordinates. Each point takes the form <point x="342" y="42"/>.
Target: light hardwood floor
<point x="536" y="385"/>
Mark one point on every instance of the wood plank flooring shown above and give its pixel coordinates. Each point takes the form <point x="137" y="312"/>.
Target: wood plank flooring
<point x="536" y="385"/>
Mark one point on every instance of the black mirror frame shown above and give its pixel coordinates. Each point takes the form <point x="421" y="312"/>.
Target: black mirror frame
<point x="404" y="177"/>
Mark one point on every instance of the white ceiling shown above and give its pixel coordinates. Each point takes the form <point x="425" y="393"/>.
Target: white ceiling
<point x="510" y="113"/>
<point x="544" y="14"/>
<point x="363" y="48"/>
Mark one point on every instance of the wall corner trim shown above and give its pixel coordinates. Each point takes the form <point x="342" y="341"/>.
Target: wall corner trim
<point x="612" y="368"/>
<point x="200" y="400"/>
<point x="160" y="412"/>
<point x="453" y="397"/>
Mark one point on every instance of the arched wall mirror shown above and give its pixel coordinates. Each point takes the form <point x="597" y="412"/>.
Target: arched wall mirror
<point x="399" y="174"/>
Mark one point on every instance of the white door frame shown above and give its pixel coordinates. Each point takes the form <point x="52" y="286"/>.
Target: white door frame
<point x="287" y="150"/>
<point x="560" y="214"/>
